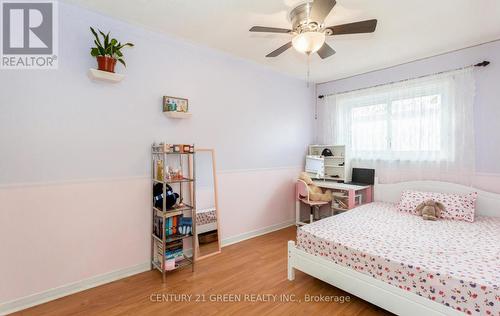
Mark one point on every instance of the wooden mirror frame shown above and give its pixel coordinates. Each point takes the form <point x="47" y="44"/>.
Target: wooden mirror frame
<point x="216" y="202"/>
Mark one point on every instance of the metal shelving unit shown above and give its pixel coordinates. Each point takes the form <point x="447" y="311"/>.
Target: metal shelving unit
<point x="159" y="245"/>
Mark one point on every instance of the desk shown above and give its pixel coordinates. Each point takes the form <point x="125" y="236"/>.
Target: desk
<point x="350" y="188"/>
<point x="332" y="185"/>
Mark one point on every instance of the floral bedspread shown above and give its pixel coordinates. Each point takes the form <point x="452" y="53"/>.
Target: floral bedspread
<point x="452" y="262"/>
<point x="205" y="216"/>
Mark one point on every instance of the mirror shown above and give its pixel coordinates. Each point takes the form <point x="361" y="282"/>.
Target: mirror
<point x="207" y="212"/>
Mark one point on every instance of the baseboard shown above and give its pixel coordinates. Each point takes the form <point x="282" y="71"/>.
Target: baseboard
<point x="255" y="233"/>
<point x="52" y="294"/>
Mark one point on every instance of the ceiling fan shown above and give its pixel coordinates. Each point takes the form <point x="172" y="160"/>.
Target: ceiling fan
<point x="309" y="32"/>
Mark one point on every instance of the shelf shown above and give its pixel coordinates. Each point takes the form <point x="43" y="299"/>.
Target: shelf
<point x="174" y="181"/>
<point x="183" y="263"/>
<point x="178" y="115"/>
<point x="327" y="178"/>
<point x="161" y="214"/>
<point x="105" y="75"/>
<point x="339" y="209"/>
<point x="338" y="195"/>
<point x="332" y="166"/>
<point x="168" y="213"/>
<point x="160" y="151"/>
<point x="180" y="264"/>
<point x="171" y="238"/>
<point x="174" y="211"/>
<point x="169" y="153"/>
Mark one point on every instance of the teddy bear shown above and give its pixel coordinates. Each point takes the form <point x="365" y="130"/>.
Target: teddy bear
<point x="430" y="210"/>
<point x="315" y="192"/>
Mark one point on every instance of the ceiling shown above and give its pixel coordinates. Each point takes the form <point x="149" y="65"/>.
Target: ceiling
<point x="407" y="29"/>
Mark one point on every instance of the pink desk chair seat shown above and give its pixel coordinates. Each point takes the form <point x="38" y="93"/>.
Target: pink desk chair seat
<point x="302" y="195"/>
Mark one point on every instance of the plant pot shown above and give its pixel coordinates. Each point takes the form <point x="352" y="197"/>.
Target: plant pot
<point x="106" y="63"/>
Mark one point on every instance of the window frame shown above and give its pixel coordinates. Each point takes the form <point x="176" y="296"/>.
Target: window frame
<point x="387" y="97"/>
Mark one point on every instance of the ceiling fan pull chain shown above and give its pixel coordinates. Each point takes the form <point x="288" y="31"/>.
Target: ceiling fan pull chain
<point x="308" y="68"/>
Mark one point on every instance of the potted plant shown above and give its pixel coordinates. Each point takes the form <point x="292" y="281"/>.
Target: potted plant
<point x="107" y="52"/>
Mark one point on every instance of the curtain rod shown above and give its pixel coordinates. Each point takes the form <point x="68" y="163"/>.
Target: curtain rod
<point x="484" y="63"/>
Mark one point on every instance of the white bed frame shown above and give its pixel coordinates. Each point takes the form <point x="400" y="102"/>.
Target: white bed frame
<point x="377" y="292"/>
<point x="200" y="229"/>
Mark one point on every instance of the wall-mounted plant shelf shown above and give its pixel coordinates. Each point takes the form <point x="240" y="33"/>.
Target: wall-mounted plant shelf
<point x="105" y="76"/>
<point x="178" y="115"/>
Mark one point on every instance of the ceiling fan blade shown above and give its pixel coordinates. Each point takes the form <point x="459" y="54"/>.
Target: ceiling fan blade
<point x="367" y="26"/>
<point x="269" y="29"/>
<point x="320" y="10"/>
<point x="279" y="50"/>
<point x="325" y="51"/>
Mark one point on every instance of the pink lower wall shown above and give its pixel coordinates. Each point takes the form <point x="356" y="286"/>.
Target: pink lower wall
<point x="254" y="199"/>
<point x="62" y="233"/>
<point x="57" y="234"/>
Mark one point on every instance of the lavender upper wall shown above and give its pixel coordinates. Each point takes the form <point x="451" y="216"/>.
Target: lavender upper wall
<point x="60" y="125"/>
<point x="487" y="101"/>
<point x="74" y="153"/>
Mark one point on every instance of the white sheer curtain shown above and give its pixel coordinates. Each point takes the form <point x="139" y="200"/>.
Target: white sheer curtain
<point x="420" y="129"/>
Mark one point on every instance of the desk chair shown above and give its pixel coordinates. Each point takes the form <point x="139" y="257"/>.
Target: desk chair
<point x="302" y="194"/>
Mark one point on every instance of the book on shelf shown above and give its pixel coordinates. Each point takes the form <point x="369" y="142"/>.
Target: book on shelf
<point x="341" y="203"/>
<point x="177" y="254"/>
<point x="157" y="226"/>
<point x="174" y="226"/>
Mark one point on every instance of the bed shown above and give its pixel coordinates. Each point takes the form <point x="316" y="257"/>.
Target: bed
<point x="206" y="220"/>
<point x="403" y="264"/>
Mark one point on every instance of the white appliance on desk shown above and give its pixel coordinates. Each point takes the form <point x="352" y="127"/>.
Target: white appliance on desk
<point x="315" y="166"/>
<point x="327" y="167"/>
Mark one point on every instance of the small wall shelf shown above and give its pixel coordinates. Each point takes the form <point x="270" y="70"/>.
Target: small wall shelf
<point x="178" y="115"/>
<point x="105" y="76"/>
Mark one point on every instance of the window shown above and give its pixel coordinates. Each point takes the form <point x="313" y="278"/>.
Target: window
<point x="417" y="129"/>
<point x="400" y="126"/>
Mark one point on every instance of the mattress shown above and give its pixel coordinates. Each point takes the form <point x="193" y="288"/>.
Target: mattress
<point x="454" y="263"/>
<point x="205" y="216"/>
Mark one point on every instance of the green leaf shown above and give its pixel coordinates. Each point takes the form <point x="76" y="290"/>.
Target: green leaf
<point x="106" y="40"/>
<point x="108" y="50"/>
<point x="96" y="37"/>
<point x="113" y="42"/>
<point x="94" y="51"/>
<point x="102" y="34"/>
<point x="126" y="44"/>
<point x="102" y="52"/>
<point x="122" y="62"/>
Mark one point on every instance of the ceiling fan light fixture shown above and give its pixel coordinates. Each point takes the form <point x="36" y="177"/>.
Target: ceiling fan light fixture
<point x="308" y="42"/>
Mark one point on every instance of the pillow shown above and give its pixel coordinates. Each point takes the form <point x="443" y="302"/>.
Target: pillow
<point x="458" y="207"/>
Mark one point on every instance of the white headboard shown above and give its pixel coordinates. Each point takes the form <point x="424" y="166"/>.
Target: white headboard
<point x="488" y="204"/>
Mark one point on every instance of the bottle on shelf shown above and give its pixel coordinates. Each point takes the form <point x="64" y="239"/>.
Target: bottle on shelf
<point x="159" y="170"/>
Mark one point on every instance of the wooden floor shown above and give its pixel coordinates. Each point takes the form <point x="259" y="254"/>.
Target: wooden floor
<point x="253" y="267"/>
